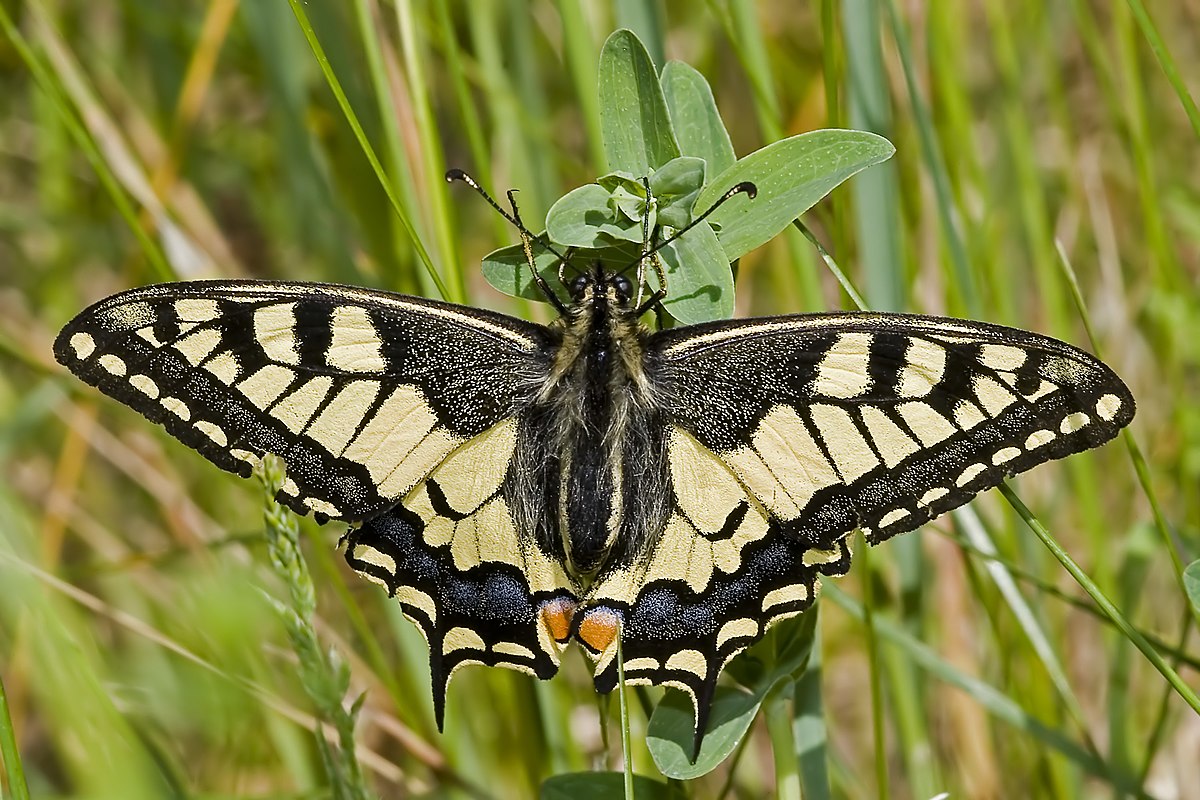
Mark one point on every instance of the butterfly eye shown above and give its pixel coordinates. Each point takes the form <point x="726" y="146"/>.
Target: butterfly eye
<point x="624" y="288"/>
<point x="577" y="286"/>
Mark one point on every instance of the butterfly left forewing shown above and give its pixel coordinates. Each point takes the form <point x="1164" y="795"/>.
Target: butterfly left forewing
<point x="361" y="392"/>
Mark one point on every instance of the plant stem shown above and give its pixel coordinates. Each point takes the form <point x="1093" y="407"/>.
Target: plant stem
<point x="778" y="710"/>
<point x="10" y="756"/>
<point x="1098" y="596"/>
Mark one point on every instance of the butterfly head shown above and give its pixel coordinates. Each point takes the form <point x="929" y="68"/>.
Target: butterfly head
<point x="599" y="285"/>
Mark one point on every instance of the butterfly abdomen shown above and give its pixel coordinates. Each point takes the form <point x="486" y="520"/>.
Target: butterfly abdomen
<point x="598" y="429"/>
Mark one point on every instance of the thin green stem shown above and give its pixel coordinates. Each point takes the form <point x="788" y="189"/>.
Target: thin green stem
<point x="847" y="286"/>
<point x="876" y="671"/>
<point x="778" y="710"/>
<point x="336" y="87"/>
<point x="1106" y="605"/>
<point x="9" y="753"/>
<point x="626" y="745"/>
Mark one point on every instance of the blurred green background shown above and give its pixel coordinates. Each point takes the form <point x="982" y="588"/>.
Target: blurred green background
<point x="146" y="141"/>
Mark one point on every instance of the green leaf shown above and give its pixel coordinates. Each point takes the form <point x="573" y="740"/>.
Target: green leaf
<point x="791" y="176"/>
<point x="592" y="216"/>
<point x="675" y="187"/>
<point x="604" y="786"/>
<point x="774" y="660"/>
<point x="634" y="122"/>
<point x="613" y="209"/>
<point x="694" y="117"/>
<point x="670" y="734"/>
<point x="699" y="281"/>
<point x="679" y="176"/>
<point x="1191" y="583"/>
<point x="698" y="275"/>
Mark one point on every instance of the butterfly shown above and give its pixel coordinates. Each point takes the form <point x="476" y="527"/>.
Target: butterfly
<point x="517" y="486"/>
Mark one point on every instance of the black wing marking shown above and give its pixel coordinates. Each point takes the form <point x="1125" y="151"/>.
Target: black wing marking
<point x="881" y="421"/>
<point x="361" y="392"/>
<point x="480" y="590"/>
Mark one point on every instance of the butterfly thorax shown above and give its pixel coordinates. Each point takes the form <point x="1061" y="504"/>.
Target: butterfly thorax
<point x="597" y="403"/>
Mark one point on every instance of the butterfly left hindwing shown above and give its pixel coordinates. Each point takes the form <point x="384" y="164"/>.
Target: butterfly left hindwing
<point x="480" y="590"/>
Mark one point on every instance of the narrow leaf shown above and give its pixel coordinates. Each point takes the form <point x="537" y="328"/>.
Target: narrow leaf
<point x="633" y="114"/>
<point x="791" y="176"/>
<point x="694" y="117"/>
<point x="1191" y="584"/>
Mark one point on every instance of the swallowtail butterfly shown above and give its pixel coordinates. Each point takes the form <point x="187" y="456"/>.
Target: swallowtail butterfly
<point x="518" y="486"/>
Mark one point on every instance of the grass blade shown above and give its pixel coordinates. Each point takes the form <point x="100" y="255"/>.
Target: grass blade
<point x="352" y="118"/>
<point x="10" y="756"/>
<point x="1166" y="61"/>
<point x="1106" y="605"/>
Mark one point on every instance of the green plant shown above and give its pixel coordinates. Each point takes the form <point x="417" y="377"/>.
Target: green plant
<point x="139" y="659"/>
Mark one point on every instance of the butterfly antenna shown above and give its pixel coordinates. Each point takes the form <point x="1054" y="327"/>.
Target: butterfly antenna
<point x="563" y="263"/>
<point x="745" y="187"/>
<point x="646" y="249"/>
<point x="527" y="236"/>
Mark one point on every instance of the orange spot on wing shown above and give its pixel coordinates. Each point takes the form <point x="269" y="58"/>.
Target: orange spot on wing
<point x="556" y="615"/>
<point x="599" y="628"/>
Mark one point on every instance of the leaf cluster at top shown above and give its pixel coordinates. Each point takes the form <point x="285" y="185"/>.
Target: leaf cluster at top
<point x="663" y="132"/>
